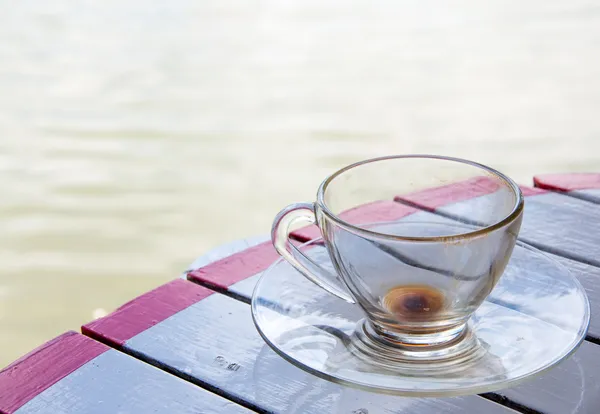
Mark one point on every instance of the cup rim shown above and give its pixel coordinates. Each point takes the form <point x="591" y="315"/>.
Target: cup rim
<point x="514" y="214"/>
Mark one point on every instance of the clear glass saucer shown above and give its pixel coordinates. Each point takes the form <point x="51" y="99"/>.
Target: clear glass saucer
<point x="536" y="316"/>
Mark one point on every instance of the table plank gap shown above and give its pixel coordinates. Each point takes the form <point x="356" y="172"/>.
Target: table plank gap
<point x="216" y="288"/>
<point x="507" y="402"/>
<point x="592" y="339"/>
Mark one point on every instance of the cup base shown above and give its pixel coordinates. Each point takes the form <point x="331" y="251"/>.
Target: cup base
<point x="461" y="350"/>
<point x="416" y="337"/>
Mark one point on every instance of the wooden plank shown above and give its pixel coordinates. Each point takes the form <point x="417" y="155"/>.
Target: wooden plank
<point x="234" y="252"/>
<point x="583" y="368"/>
<point x="225" y="250"/>
<point x="552" y="222"/>
<point x="225" y="272"/>
<point x="75" y="374"/>
<point x="23" y="380"/>
<point x="145" y="311"/>
<point x="231" y="276"/>
<point x="432" y="198"/>
<point x="475" y="196"/>
<point x="581" y="185"/>
<point x="214" y="343"/>
<point x="563" y="225"/>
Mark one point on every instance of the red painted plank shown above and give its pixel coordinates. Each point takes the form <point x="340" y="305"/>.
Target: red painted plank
<point x="568" y="182"/>
<point x="229" y="270"/>
<point x="379" y="211"/>
<point x="145" y="311"/>
<point x="44" y="366"/>
<point x="530" y="191"/>
<point x="434" y="198"/>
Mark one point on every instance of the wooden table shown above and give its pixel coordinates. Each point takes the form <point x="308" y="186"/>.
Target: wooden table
<point x="190" y="346"/>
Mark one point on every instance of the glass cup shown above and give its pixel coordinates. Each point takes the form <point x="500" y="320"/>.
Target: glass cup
<point x="418" y="279"/>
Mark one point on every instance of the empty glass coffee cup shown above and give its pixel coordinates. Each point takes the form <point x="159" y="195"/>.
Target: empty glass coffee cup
<point x="420" y="278"/>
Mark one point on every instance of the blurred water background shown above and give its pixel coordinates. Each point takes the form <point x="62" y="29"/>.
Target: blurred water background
<point x="136" y="135"/>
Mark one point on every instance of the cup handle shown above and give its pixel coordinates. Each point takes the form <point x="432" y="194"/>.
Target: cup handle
<point x="280" y="233"/>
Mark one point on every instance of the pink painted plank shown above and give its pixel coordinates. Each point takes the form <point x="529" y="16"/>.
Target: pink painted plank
<point x="145" y="311"/>
<point x="568" y="182"/>
<point x="229" y="270"/>
<point x="378" y="211"/>
<point x="531" y="191"/>
<point x="434" y="198"/>
<point x="27" y="377"/>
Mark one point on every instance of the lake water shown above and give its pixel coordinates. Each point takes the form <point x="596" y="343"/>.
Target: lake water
<point x="134" y="136"/>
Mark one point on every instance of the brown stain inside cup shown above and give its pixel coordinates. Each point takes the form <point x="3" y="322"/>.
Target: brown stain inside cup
<point x="414" y="302"/>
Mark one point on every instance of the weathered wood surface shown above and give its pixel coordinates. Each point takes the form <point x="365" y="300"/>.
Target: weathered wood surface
<point x="75" y="374"/>
<point x="214" y="343"/>
<point x="583" y="185"/>
<point x="577" y="377"/>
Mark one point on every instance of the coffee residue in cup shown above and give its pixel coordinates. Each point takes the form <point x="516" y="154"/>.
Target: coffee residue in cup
<point x="414" y="302"/>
